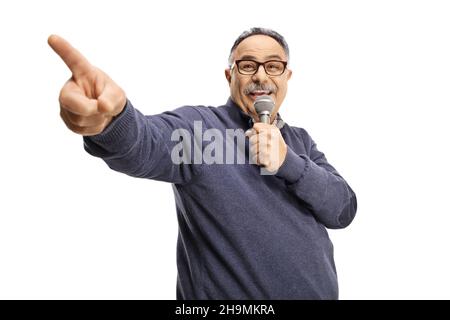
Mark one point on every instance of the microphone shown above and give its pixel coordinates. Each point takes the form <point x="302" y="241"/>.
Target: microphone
<point x="264" y="106"/>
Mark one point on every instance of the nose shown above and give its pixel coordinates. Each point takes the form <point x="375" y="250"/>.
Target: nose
<point x="260" y="74"/>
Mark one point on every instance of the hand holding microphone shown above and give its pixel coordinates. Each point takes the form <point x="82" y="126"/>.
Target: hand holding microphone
<point x="90" y="98"/>
<point x="267" y="146"/>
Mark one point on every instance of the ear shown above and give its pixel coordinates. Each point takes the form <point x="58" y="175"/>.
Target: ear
<point x="289" y="75"/>
<point x="228" y="75"/>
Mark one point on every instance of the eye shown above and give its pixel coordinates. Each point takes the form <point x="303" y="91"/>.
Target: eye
<point x="274" y="66"/>
<point x="247" y="66"/>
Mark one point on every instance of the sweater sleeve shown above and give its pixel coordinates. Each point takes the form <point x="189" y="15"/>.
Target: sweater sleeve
<point x="141" y="146"/>
<point x="315" y="182"/>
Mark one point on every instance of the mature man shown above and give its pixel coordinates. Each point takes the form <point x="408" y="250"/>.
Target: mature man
<point x="242" y="234"/>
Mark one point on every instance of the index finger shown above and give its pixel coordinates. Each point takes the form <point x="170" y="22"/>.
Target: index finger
<point x="76" y="62"/>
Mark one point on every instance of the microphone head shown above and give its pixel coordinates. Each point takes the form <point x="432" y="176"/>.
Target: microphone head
<point x="264" y="104"/>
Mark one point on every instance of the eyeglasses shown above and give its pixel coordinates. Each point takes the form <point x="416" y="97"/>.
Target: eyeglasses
<point x="251" y="67"/>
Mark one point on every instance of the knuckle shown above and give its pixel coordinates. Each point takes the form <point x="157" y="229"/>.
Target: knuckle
<point x="62" y="96"/>
<point x="72" y="127"/>
<point x="77" y="120"/>
<point x="86" y="131"/>
<point x="257" y="127"/>
<point x="63" y="93"/>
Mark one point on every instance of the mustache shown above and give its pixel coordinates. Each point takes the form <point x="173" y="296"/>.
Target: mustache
<point x="259" y="87"/>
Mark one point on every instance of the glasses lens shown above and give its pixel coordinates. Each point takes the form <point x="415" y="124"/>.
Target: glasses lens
<point x="247" y="67"/>
<point x="274" y="68"/>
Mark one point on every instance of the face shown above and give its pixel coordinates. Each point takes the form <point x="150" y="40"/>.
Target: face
<point x="245" y="88"/>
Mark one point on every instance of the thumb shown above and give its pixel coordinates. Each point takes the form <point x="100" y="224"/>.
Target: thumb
<point x="112" y="100"/>
<point x="250" y="132"/>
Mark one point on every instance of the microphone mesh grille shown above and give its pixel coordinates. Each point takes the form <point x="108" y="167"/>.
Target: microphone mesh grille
<point x="264" y="103"/>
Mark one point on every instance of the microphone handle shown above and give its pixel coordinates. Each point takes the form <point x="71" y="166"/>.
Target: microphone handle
<point x="264" y="117"/>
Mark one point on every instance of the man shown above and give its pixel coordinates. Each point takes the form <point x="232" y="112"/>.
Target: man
<point x="242" y="234"/>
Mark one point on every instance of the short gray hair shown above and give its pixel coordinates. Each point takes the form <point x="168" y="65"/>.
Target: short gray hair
<point x="262" y="31"/>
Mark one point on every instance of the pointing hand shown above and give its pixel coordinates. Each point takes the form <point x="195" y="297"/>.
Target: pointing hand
<point x="90" y="98"/>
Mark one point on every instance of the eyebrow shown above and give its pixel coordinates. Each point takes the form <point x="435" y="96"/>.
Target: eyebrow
<point x="249" y="57"/>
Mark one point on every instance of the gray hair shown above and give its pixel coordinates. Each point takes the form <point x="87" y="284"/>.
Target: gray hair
<point x="259" y="31"/>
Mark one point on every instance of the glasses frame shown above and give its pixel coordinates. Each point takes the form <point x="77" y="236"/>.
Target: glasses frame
<point x="258" y="64"/>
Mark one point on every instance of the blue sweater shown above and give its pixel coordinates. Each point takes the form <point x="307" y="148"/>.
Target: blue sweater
<point x="242" y="235"/>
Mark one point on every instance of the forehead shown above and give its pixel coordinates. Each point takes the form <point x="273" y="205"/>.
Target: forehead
<point x="260" y="47"/>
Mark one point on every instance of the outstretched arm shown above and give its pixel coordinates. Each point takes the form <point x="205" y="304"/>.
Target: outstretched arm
<point x="93" y="105"/>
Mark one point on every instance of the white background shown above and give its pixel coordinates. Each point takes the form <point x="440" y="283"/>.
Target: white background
<point x="371" y="85"/>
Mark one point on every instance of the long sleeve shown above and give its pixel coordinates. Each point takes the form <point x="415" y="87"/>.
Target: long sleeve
<point x="315" y="182"/>
<point x="141" y="146"/>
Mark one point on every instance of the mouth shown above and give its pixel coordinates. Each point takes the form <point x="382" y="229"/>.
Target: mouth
<point x="254" y="94"/>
